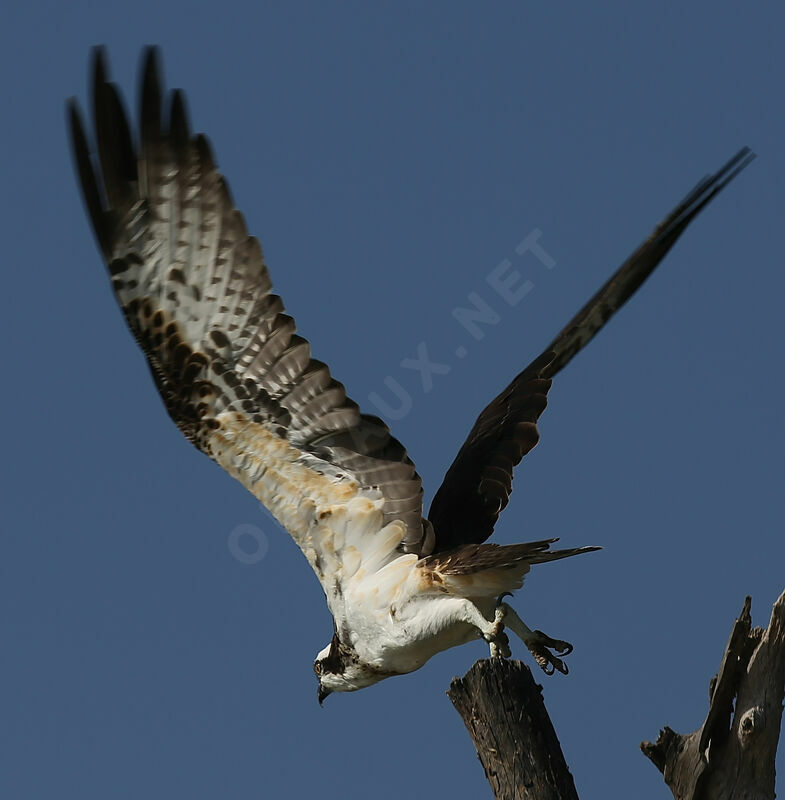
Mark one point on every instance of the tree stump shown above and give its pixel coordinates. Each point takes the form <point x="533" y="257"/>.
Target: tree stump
<point x="730" y="757"/>
<point x="502" y="708"/>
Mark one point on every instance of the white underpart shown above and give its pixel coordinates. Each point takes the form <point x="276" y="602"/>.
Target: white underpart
<point x="395" y="618"/>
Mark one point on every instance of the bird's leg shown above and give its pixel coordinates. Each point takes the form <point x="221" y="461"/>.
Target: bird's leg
<point x="539" y="643"/>
<point x="492" y="632"/>
<point x="497" y="640"/>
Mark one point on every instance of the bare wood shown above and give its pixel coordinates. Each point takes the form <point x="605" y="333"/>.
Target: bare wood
<point x="731" y="756"/>
<point x="502" y="708"/>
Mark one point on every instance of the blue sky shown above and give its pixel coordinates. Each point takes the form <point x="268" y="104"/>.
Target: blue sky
<point x="390" y="156"/>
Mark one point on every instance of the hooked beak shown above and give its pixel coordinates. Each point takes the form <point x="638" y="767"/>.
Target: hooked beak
<point x="322" y="693"/>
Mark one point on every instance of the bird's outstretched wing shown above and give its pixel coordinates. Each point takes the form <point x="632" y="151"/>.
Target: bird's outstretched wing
<point x="233" y="374"/>
<point x="478" y="484"/>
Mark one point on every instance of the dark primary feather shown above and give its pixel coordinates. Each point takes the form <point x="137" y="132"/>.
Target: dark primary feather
<point x="478" y="484"/>
<point x="198" y="298"/>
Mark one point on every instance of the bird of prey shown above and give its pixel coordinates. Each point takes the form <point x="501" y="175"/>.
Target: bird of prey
<point x="242" y="386"/>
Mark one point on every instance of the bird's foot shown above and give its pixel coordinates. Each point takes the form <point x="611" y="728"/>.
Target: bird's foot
<point x="546" y="650"/>
<point x="540" y="646"/>
<point x="495" y="635"/>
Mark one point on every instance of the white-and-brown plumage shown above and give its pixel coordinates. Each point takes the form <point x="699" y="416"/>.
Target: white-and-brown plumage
<point x="241" y="384"/>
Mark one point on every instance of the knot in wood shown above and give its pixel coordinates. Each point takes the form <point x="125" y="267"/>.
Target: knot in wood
<point x="753" y="720"/>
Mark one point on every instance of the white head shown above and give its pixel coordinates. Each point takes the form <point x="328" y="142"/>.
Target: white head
<point x="339" y="669"/>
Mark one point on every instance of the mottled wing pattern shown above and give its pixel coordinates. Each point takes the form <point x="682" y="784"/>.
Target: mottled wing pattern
<point x="233" y="373"/>
<point x="478" y="484"/>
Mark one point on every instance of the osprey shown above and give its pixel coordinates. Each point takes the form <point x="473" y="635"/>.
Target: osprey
<point x="241" y="384"/>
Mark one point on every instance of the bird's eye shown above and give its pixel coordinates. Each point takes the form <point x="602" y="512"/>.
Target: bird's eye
<point x="317" y="667"/>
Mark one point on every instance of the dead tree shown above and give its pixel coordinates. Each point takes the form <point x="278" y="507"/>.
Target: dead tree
<point x="504" y="712"/>
<point x="730" y="757"/>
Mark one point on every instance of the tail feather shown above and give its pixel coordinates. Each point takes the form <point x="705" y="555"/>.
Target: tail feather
<point x="480" y="557"/>
<point x="487" y="570"/>
<point x="555" y="555"/>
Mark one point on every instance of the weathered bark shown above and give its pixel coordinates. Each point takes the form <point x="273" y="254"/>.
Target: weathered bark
<point x="502" y="708"/>
<point x="731" y="756"/>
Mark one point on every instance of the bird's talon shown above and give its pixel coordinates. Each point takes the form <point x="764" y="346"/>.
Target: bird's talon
<point x="549" y="663"/>
<point x="559" y="645"/>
